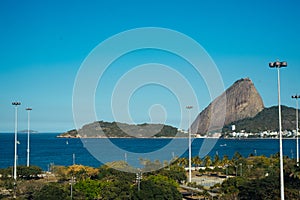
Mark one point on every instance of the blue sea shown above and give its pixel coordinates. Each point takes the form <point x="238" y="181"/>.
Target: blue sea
<point x="47" y="149"/>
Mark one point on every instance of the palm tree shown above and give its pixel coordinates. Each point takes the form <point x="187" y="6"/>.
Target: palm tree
<point x="216" y="162"/>
<point x="207" y="161"/>
<point x="182" y="162"/>
<point x="225" y="161"/>
<point x="237" y="156"/>
<point x="196" y="161"/>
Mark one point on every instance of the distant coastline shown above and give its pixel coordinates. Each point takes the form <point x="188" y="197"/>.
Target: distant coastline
<point x="182" y="137"/>
<point x="101" y="129"/>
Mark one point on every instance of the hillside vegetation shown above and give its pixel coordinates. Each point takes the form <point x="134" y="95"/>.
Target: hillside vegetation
<point x="266" y="120"/>
<point x="116" y="129"/>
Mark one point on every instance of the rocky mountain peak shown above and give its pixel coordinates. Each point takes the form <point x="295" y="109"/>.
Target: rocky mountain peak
<point x="239" y="101"/>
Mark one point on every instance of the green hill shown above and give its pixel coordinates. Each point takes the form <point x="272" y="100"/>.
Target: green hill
<point x="266" y="120"/>
<point x="116" y="129"/>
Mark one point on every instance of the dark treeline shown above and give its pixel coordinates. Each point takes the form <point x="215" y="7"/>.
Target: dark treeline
<point x="252" y="177"/>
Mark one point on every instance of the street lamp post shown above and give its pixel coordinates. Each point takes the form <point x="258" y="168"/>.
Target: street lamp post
<point x="73" y="158"/>
<point x="226" y="170"/>
<point x="16" y="104"/>
<point x="28" y="135"/>
<point x="190" y="145"/>
<point x="297" y="139"/>
<point x="278" y="65"/>
<point x="72" y="181"/>
<point x="139" y="177"/>
<point x="241" y="164"/>
<point x="236" y="170"/>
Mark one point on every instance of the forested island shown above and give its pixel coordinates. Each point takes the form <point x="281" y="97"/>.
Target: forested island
<point x="102" y="129"/>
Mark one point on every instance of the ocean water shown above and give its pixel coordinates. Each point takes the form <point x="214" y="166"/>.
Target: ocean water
<point x="47" y="149"/>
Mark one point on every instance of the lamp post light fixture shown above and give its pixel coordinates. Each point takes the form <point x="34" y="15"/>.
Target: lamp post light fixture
<point x="16" y="104"/>
<point x="190" y="145"/>
<point x="297" y="128"/>
<point x="277" y="64"/>
<point x="28" y="135"/>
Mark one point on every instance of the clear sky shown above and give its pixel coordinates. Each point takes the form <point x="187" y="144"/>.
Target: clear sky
<point x="43" y="44"/>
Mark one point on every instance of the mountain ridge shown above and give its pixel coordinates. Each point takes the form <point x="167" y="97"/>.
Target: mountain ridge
<point x="266" y="120"/>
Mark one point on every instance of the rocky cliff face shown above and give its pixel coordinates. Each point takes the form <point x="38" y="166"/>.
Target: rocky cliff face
<point x="239" y="101"/>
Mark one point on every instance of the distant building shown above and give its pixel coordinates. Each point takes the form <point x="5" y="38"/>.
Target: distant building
<point x="233" y="127"/>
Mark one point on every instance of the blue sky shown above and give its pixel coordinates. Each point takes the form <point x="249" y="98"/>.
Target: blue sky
<point x="43" y="44"/>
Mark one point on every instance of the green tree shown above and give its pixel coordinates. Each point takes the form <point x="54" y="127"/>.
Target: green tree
<point x="157" y="188"/>
<point x="51" y="191"/>
<point x="230" y="187"/>
<point x="115" y="190"/>
<point x="108" y="174"/>
<point x="174" y="172"/>
<point x="88" y="188"/>
<point x="105" y="189"/>
<point x="30" y="172"/>
<point x="266" y="188"/>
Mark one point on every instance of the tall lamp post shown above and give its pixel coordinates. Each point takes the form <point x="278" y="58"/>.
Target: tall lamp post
<point x="297" y="139"/>
<point x="28" y="135"/>
<point x="139" y="177"/>
<point x="190" y="145"/>
<point x="16" y="104"/>
<point x="278" y="65"/>
<point x="241" y="164"/>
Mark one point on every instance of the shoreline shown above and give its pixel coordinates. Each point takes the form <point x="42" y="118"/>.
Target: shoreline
<point x="258" y="138"/>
